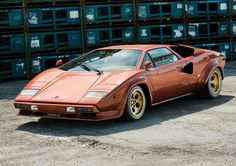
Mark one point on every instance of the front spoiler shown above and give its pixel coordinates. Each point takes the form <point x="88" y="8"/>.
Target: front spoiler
<point x="58" y="111"/>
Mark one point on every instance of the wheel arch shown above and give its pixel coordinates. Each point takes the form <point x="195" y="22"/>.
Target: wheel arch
<point x="221" y="72"/>
<point x="147" y="94"/>
<point x="202" y="81"/>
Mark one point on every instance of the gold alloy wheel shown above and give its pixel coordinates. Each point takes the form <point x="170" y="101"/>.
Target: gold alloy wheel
<point x="136" y="102"/>
<point x="215" y="82"/>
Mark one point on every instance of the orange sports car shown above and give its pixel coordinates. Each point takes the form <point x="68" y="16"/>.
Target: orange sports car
<point x="122" y="81"/>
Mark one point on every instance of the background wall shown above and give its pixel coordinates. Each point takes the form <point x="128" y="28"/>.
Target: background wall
<point x="36" y="33"/>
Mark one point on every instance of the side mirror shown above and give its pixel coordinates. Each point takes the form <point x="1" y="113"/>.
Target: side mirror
<point x="59" y="63"/>
<point x="148" y="65"/>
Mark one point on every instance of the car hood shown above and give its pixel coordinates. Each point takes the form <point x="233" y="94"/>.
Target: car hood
<point x="68" y="88"/>
<point x="57" y="86"/>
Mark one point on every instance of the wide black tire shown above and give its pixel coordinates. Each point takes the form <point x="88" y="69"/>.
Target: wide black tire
<point x="135" y="105"/>
<point x="213" y="87"/>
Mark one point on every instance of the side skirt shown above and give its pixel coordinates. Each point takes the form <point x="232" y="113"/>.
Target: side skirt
<point x="188" y="94"/>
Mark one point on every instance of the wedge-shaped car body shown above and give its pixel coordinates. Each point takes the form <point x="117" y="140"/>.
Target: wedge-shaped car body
<point x="122" y="81"/>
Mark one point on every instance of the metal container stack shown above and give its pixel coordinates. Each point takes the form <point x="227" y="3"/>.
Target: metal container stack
<point x="210" y="25"/>
<point x="34" y="34"/>
<point x="12" y="42"/>
<point x="108" y="22"/>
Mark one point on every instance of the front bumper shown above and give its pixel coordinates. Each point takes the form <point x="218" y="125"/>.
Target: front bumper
<point x="59" y="111"/>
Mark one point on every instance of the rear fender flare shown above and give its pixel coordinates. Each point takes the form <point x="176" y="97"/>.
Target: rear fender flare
<point x="202" y="81"/>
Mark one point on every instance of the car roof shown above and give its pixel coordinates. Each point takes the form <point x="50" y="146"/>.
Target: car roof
<point x="136" y="47"/>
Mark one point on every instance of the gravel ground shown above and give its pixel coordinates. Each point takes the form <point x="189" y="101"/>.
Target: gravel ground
<point x="186" y="131"/>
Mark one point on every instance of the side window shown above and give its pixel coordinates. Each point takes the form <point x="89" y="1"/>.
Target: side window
<point x="146" y="58"/>
<point x="162" y="56"/>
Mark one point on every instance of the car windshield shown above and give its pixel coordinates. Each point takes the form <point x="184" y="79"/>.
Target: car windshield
<point x="105" y="61"/>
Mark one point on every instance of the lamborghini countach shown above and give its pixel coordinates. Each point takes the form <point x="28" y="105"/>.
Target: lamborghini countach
<point x="122" y="82"/>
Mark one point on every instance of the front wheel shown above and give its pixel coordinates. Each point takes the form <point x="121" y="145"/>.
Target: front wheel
<point x="135" y="105"/>
<point x="213" y="87"/>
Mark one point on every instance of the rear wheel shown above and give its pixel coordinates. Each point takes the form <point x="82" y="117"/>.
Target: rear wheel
<point x="213" y="87"/>
<point x="135" y="105"/>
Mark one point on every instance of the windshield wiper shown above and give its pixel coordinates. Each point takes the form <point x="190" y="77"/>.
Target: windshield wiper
<point x="89" y="68"/>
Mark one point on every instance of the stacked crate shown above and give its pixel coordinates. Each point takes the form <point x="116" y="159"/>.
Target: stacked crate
<point x="34" y="34"/>
<point x="233" y="24"/>
<point x="209" y="25"/>
<point x="54" y="31"/>
<point x="12" y="41"/>
<point x="108" y="22"/>
<point x="160" y="21"/>
<point x="201" y="23"/>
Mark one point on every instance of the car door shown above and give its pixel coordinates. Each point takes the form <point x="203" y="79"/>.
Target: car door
<point x="165" y="75"/>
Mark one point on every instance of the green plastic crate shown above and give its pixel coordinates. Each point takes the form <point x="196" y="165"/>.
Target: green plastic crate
<point x="205" y="29"/>
<point x="19" y="68"/>
<point x="13" y="68"/>
<point x="55" y="15"/>
<point x="209" y="7"/>
<point x="110" y="35"/>
<point x="234" y="7"/>
<point x="65" y="39"/>
<point x="234" y="28"/>
<point x="108" y="12"/>
<point x="158" y="32"/>
<point x="37" y="65"/>
<point x="160" y="9"/>
<point x="11" y="17"/>
<point x="12" y="42"/>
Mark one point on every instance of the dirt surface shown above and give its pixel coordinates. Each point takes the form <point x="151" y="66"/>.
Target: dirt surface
<point x="186" y="131"/>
